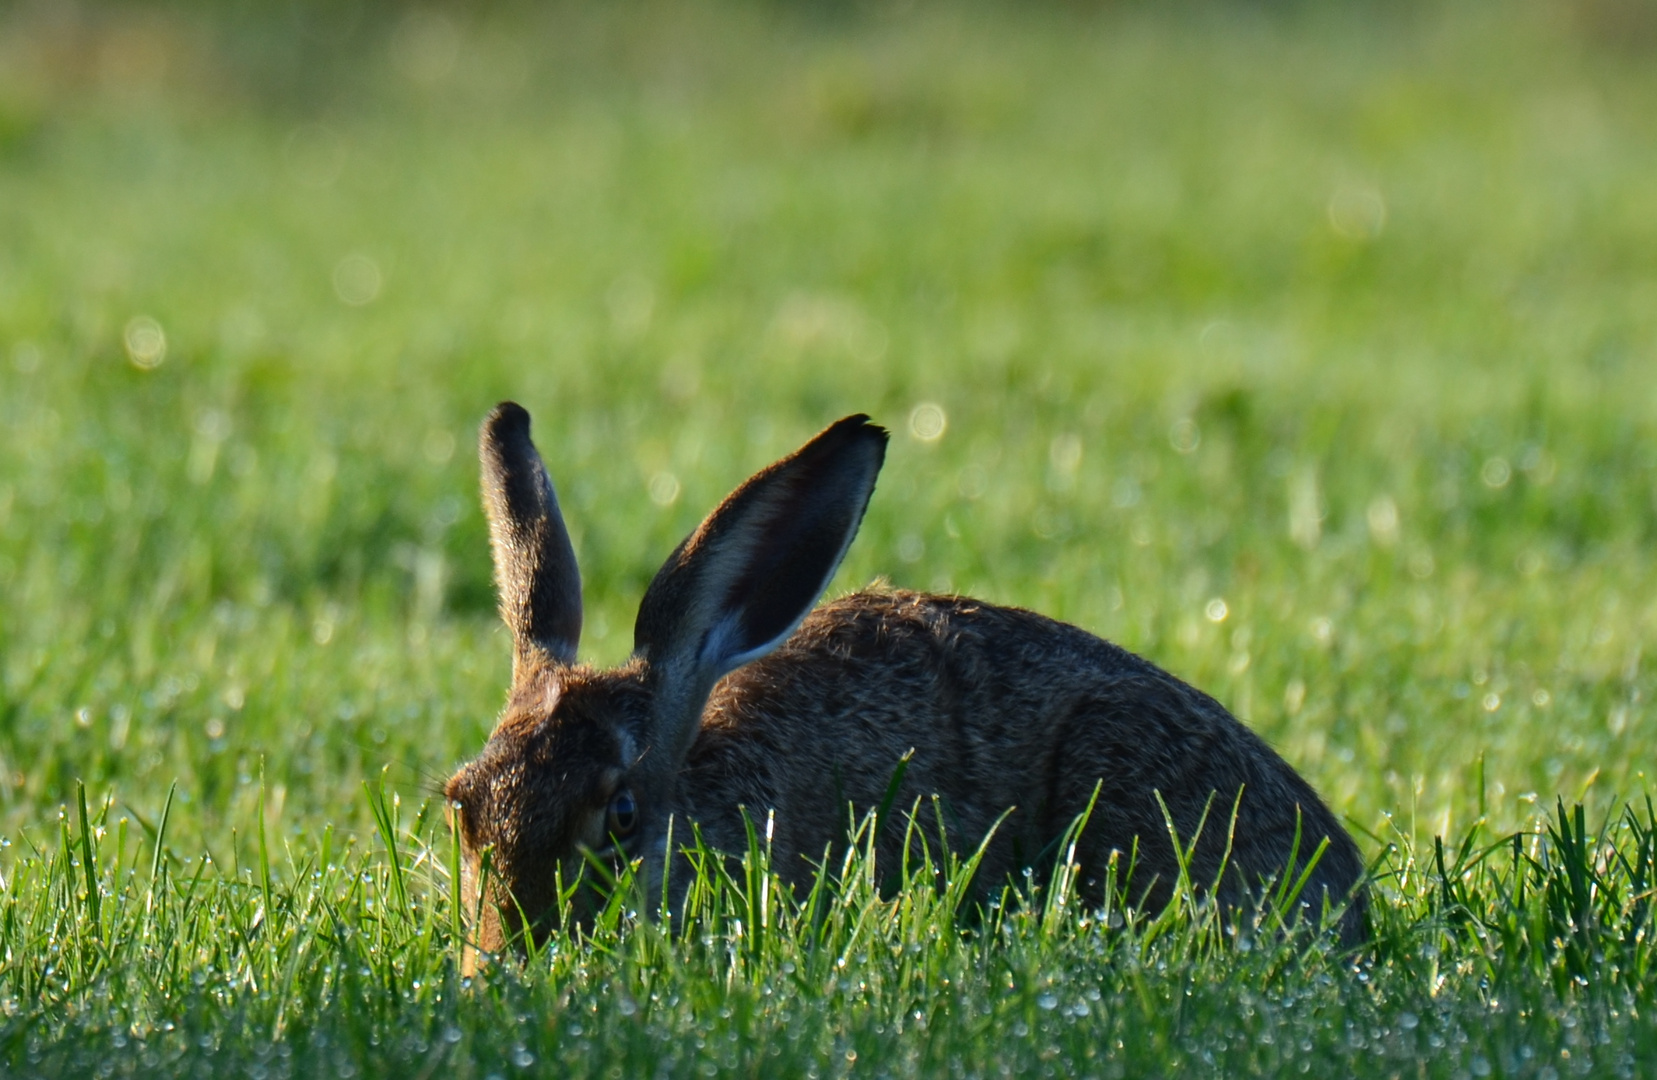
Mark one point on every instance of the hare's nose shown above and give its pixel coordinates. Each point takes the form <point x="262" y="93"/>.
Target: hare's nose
<point x="459" y="804"/>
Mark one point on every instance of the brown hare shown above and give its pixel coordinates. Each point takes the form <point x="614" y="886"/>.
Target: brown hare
<point x="741" y="697"/>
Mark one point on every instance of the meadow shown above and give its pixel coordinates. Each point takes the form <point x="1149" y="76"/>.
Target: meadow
<point x="1305" y="350"/>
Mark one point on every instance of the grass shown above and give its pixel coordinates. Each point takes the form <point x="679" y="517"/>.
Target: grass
<point x="1528" y="956"/>
<point x="1305" y="352"/>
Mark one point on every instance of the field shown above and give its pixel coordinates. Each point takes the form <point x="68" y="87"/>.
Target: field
<point x="1306" y="350"/>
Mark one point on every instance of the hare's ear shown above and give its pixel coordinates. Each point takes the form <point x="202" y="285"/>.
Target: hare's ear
<point x="745" y="578"/>
<point x="535" y="571"/>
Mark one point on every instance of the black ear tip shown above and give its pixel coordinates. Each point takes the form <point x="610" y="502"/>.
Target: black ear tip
<point x="507" y="414"/>
<point x="857" y="426"/>
<point x="506" y="428"/>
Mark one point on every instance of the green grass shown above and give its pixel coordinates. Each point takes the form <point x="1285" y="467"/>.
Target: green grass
<point x="1529" y="956"/>
<point x="1343" y="320"/>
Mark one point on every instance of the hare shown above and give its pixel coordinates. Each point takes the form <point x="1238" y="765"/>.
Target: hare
<point x="741" y="698"/>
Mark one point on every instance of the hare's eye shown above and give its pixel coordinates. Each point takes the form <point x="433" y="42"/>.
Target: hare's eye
<point x="624" y="813"/>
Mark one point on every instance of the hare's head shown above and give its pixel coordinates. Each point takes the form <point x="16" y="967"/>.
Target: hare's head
<point x="586" y="761"/>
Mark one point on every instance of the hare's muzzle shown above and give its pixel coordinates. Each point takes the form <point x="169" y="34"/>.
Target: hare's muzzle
<point x="515" y="856"/>
<point x="501" y="908"/>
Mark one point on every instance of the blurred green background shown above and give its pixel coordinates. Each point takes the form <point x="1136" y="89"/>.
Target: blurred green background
<point x="1306" y="349"/>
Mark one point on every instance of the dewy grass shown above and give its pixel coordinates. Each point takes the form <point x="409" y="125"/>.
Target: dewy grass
<point x="1306" y="351"/>
<point x="1509" y="955"/>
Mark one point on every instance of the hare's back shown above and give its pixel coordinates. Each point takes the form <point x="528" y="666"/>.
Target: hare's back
<point x="1003" y="709"/>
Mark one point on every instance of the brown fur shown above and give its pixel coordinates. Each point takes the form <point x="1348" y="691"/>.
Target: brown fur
<point x="1004" y="710"/>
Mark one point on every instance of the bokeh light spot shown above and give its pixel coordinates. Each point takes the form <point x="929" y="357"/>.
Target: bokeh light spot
<point x="927" y="422"/>
<point x="357" y="280"/>
<point x="1184" y="436"/>
<point x="1357" y="212"/>
<point x="1383" y="520"/>
<point x="146" y="343"/>
<point x="664" y="489"/>
<point x="438" y="446"/>
<point x="1065" y="453"/>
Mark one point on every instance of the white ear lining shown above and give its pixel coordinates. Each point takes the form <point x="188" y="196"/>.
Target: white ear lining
<point x="718" y="642"/>
<point x="715" y="656"/>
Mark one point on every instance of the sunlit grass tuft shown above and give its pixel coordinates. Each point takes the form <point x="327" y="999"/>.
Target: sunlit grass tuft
<point x="1525" y="952"/>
